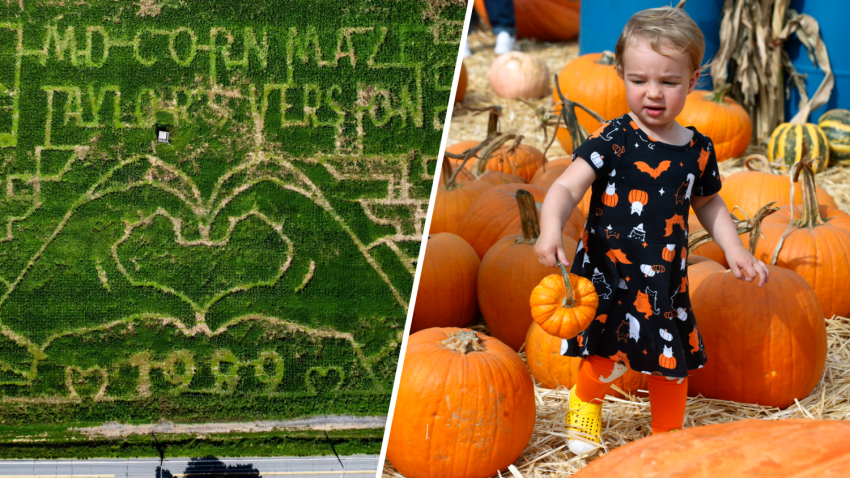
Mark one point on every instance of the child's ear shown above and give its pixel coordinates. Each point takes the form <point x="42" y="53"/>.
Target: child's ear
<point x="692" y="83"/>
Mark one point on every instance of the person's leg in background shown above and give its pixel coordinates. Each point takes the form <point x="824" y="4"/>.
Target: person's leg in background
<point x="503" y="21"/>
<point x="667" y="400"/>
<point x="474" y="20"/>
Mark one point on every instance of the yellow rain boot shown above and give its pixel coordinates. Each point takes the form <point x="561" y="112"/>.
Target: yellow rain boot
<point x="585" y="420"/>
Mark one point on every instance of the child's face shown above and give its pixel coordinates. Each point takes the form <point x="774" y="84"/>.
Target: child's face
<point x="657" y="85"/>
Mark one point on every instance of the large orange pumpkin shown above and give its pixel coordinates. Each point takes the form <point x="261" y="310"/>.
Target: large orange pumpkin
<point x="465" y="406"/>
<point x="752" y="448"/>
<point x="557" y="163"/>
<point x="547" y="179"/>
<point x="453" y="200"/>
<point x="750" y="190"/>
<point x="592" y="81"/>
<point x="720" y="118"/>
<point x="551" y="369"/>
<point x="817" y="245"/>
<point x="519" y="75"/>
<point x="699" y="268"/>
<point x="447" y="295"/>
<point x="523" y="161"/>
<point x="495" y="178"/>
<point x="509" y="272"/>
<point x="545" y="20"/>
<point x="459" y="148"/>
<point x="495" y="215"/>
<point x="766" y="345"/>
<point x="709" y="249"/>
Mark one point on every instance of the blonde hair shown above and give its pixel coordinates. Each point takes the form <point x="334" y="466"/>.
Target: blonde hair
<point x="666" y="27"/>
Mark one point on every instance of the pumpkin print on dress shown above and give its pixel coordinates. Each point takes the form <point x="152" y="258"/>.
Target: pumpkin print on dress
<point x="638" y="199"/>
<point x="610" y="197"/>
<point x="666" y="358"/>
<point x="637" y="258"/>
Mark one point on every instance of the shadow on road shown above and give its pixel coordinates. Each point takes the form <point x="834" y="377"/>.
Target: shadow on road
<point x="212" y="467"/>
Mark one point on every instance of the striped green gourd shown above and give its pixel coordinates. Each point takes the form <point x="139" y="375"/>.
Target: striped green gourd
<point x="836" y="126"/>
<point x="786" y="142"/>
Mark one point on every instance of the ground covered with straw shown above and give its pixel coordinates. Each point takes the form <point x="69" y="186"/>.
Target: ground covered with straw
<point x="625" y="421"/>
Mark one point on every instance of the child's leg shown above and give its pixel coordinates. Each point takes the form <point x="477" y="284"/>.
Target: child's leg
<point x="667" y="398"/>
<point x="595" y="375"/>
<point x="585" y="404"/>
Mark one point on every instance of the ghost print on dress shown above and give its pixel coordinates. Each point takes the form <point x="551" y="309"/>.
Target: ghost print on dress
<point x="634" y="248"/>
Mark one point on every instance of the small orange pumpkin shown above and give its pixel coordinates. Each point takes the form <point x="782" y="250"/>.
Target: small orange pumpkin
<point x="564" y="305"/>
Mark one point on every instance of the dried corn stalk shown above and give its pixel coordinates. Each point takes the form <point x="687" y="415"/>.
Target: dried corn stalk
<point x="752" y="33"/>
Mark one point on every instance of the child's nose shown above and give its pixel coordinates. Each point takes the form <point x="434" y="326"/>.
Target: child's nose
<point x="654" y="91"/>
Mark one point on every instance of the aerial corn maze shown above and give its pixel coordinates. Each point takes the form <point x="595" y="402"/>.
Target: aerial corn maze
<point x="257" y="263"/>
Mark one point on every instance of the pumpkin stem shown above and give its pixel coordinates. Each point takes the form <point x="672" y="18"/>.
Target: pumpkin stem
<point x="569" y="300"/>
<point x="493" y="120"/>
<point x="755" y="225"/>
<point x="528" y="217"/>
<point x="448" y="177"/>
<point x="719" y="94"/>
<point x="742" y="226"/>
<point x="811" y="213"/>
<point x="767" y="166"/>
<point x="568" y="113"/>
<point x="608" y="58"/>
<point x="463" y="342"/>
<point x="488" y="147"/>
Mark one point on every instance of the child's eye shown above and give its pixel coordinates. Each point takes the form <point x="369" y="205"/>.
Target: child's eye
<point x="638" y="82"/>
<point x="670" y="83"/>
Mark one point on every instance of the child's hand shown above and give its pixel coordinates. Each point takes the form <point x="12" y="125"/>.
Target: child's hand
<point x="740" y="259"/>
<point x="548" y="248"/>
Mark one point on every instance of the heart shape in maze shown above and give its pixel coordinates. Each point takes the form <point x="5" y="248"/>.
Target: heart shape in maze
<point x="86" y="383"/>
<point x="153" y="253"/>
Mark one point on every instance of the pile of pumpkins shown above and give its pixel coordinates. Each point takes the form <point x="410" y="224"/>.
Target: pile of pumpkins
<point x="465" y="406"/>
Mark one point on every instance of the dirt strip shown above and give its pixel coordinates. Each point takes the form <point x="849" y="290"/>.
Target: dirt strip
<point x="322" y="422"/>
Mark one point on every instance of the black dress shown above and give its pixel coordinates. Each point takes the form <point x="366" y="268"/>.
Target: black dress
<point x="634" y="248"/>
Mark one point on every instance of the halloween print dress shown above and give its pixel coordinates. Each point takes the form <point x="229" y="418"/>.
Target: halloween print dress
<point x="634" y="248"/>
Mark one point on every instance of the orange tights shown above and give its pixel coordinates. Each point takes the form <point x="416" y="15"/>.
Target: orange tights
<point x="666" y="397"/>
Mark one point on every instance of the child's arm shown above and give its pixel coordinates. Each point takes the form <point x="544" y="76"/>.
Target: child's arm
<point x="714" y="217"/>
<point x="562" y="197"/>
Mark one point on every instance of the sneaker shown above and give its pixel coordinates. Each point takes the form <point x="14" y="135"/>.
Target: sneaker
<point x="505" y="43"/>
<point x="584" y="419"/>
<point x="466" y="51"/>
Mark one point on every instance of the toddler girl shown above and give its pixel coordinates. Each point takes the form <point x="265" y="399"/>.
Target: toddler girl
<point x="646" y="170"/>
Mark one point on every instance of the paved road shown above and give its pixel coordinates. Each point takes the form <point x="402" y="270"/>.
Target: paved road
<point x="358" y="466"/>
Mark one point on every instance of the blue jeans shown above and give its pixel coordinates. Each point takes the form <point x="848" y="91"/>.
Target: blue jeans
<point x="501" y="16"/>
